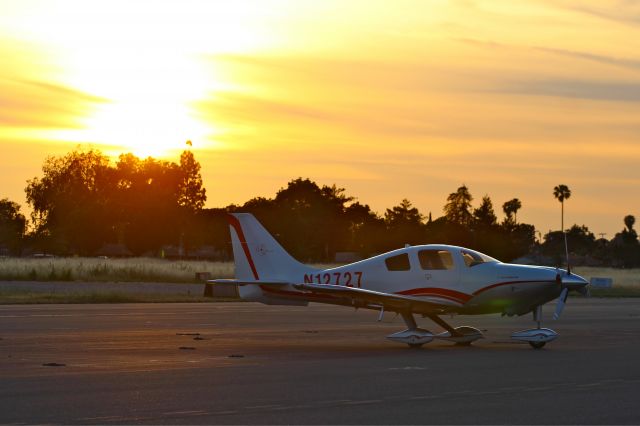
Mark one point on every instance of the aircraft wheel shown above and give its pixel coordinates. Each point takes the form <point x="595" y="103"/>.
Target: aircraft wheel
<point x="463" y="343"/>
<point x="537" y="345"/>
<point x="415" y="345"/>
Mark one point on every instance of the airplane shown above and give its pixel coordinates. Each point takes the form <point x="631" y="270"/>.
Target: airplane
<point x="427" y="280"/>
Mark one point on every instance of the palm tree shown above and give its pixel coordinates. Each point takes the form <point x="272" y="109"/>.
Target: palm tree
<point x="629" y="221"/>
<point x="562" y="192"/>
<point x="510" y="209"/>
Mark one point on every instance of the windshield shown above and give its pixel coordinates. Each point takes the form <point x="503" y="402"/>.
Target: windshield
<point x="473" y="258"/>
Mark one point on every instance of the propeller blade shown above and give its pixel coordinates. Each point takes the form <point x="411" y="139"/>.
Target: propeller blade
<point x="561" y="302"/>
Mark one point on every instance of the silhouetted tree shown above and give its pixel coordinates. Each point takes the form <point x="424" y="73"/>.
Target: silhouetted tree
<point x="310" y="220"/>
<point x="191" y="193"/>
<point x="83" y="201"/>
<point x="457" y="228"/>
<point x="314" y="222"/>
<point x="484" y="216"/>
<point x="366" y="228"/>
<point x="458" y="207"/>
<point x="625" y="246"/>
<point x="12" y="226"/>
<point x="70" y="202"/>
<point x="487" y="235"/>
<point x="629" y="221"/>
<point x="404" y="225"/>
<point x="521" y="241"/>
<point x="582" y="240"/>
<point x="150" y="203"/>
<point x="582" y="244"/>
<point x="510" y="209"/>
<point x="561" y="192"/>
<point x="403" y="213"/>
<point x="213" y="231"/>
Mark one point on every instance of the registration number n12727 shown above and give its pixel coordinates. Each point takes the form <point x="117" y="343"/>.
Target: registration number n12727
<point x="348" y="279"/>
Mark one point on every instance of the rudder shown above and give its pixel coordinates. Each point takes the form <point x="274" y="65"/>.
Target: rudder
<point x="258" y="256"/>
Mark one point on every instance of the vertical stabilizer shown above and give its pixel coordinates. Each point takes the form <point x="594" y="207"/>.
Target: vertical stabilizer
<point x="258" y="256"/>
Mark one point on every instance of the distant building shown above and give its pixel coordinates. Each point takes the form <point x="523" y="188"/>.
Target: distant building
<point x="203" y="252"/>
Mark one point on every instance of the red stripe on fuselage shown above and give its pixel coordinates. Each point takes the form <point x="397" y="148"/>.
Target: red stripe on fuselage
<point x="457" y="296"/>
<point x="233" y="221"/>
<point x="440" y="296"/>
<point x="441" y="292"/>
<point x="482" y="290"/>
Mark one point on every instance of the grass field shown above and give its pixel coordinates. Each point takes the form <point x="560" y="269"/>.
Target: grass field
<point x="87" y="269"/>
<point x="109" y="270"/>
<point x="626" y="282"/>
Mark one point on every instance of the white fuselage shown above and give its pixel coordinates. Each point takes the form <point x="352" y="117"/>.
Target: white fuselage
<point x="462" y="280"/>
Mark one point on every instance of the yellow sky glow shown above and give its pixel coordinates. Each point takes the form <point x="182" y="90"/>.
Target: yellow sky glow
<point x="390" y="101"/>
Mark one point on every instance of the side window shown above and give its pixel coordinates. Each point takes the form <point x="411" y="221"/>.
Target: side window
<point x="435" y="259"/>
<point x="398" y="263"/>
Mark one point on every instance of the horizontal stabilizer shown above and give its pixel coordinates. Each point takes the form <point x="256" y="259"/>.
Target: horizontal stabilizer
<point x="241" y="282"/>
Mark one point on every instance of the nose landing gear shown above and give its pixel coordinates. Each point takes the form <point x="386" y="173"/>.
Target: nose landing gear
<point x="536" y="337"/>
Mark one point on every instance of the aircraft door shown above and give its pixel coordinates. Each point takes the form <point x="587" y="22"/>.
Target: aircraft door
<point x="438" y="268"/>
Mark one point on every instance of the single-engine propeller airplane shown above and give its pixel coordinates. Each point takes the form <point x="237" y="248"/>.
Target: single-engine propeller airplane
<point x="427" y="280"/>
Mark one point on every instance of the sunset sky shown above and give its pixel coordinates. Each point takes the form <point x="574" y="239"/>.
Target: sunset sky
<point x="391" y="100"/>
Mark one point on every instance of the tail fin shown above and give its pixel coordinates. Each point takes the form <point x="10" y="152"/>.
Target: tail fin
<point x="257" y="255"/>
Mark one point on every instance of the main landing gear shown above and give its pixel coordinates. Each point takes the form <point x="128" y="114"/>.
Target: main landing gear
<point x="416" y="337"/>
<point x="537" y="337"/>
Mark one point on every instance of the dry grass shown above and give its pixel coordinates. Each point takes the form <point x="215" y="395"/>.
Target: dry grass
<point x="629" y="278"/>
<point x="626" y="282"/>
<point x="112" y="270"/>
<point x="109" y="270"/>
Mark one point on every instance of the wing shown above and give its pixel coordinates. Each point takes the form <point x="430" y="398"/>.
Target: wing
<point x="370" y="298"/>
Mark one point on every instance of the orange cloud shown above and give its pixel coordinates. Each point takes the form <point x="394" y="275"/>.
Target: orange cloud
<point x="37" y="104"/>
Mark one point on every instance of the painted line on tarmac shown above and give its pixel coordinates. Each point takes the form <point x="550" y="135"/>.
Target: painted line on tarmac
<point x="363" y="402"/>
<point x="107" y="418"/>
<point x="186" y="412"/>
<point x="262" y="407"/>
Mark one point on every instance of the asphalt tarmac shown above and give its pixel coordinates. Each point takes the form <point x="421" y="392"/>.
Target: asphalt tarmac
<point x="245" y="363"/>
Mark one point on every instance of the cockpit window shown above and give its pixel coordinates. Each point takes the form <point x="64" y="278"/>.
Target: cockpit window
<point x="435" y="259"/>
<point x="472" y="258"/>
<point x="398" y="263"/>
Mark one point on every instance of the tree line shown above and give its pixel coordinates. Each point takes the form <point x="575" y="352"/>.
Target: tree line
<point x="83" y="202"/>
